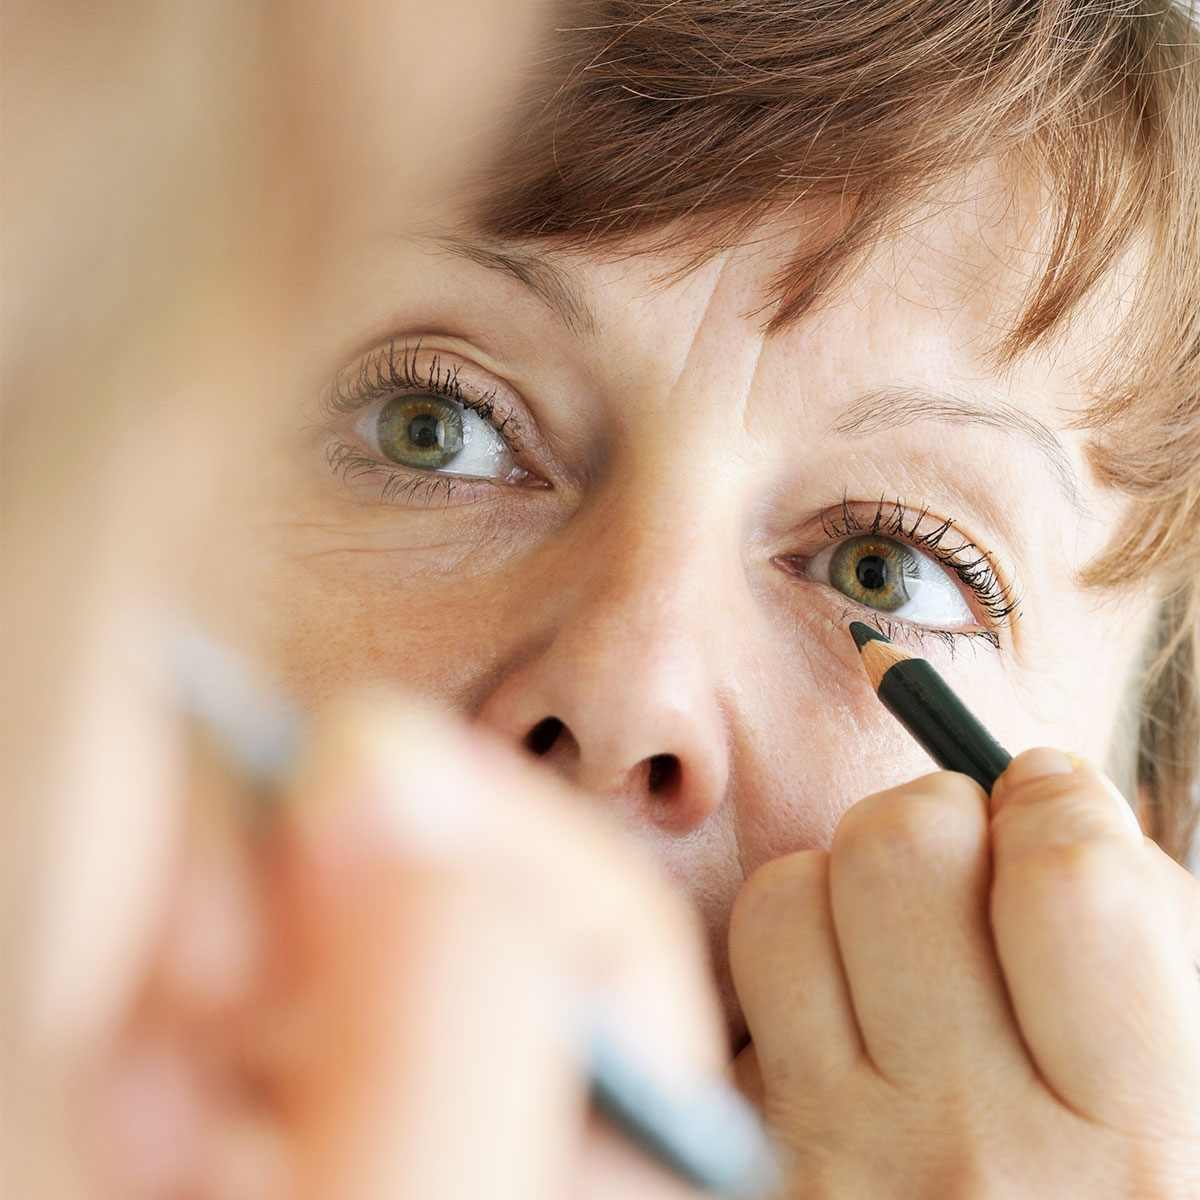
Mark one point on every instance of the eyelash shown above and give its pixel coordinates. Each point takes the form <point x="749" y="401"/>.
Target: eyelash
<point x="892" y="518"/>
<point x="384" y="374"/>
<point x="390" y="371"/>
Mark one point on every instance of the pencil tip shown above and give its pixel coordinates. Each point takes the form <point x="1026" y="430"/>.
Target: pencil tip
<point x="862" y="634"/>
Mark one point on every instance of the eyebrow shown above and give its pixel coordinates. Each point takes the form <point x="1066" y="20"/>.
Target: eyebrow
<point x="549" y="281"/>
<point x="888" y="408"/>
<point x="884" y="408"/>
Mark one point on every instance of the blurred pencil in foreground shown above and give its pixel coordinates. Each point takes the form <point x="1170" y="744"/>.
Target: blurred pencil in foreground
<point x="707" y="1134"/>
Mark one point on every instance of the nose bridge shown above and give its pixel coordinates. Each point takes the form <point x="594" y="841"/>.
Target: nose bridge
<point x="628" y="678"/>
<point x="655" y="565"/>
<point x="643" y="626"/>
<point x="626" y="686"/>
<point x="666" y="529"/>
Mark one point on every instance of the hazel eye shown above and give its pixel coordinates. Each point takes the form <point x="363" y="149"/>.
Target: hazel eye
<point x="420" y="431"/>
<point x="437" y="434"/>
<point x="893" y="577"/>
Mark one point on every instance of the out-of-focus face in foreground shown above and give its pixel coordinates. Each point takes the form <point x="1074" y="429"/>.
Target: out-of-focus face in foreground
<point x="173" y="173"/>
<point x="586" y="499"/>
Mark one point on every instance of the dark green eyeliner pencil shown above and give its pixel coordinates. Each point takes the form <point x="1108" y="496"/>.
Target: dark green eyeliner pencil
<point x="921" y="700"/>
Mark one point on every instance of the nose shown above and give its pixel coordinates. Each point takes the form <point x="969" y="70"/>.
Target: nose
<point x="620" y="691"/>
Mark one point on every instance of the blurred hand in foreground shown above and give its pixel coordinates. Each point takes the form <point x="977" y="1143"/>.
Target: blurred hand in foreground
<point x="380" y="996"/>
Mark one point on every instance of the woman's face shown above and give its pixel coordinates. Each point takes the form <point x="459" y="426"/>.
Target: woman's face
<point x="643" y="557"/>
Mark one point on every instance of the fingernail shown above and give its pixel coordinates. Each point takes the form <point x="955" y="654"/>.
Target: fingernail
<point x="1033" y="764"/>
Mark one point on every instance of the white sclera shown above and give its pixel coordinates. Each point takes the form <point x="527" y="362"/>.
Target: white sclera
<point x="484" y="453"/>
<point x="935" y="597"/>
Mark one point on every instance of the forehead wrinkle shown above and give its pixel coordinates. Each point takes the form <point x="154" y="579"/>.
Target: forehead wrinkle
<point x="550" y="281"/>
<point x="889" y="408"/>
<point x="713" y="310"/>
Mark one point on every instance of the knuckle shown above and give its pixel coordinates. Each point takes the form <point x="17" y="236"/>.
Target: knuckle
<point x="935" y="817"/>
<point x="777" y="886"/>
<point x="1071" y="790"/>
<point x="1084" y="879"/>
<point x="1056" y="813"/>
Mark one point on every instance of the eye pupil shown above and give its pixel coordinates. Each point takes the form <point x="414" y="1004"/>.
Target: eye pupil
<point x="872" y="572"/>
<point x="426" y="431"/>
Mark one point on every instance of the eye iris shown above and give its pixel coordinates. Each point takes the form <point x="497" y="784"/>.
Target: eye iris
<point x="420" y="431"/>
<point x="874" y="571"/>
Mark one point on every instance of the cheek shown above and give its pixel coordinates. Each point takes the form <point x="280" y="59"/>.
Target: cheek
<point x="326" y="617"/>
<point x="1075" y="703"/>
<point x="820" y="742"/>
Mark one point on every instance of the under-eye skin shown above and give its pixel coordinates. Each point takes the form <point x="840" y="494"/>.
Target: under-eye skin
<point x="426" y="428"/>
<point x="909" y="572"/>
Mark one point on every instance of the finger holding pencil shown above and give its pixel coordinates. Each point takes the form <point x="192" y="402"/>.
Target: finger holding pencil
<point x="991" y="963"/>
<point x="1081" y="903"/>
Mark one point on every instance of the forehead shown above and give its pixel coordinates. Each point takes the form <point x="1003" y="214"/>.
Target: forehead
<point x="946" y="282"/>
<point x="974" y="252"/>
<point x="901" y="350"/>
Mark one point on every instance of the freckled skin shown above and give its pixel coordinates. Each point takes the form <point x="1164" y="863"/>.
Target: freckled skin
<point x="636" y="599"/>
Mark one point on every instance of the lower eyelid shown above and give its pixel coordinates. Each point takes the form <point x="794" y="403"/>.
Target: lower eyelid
<point x="392" y="483"/>
<point x="901" y="631"/>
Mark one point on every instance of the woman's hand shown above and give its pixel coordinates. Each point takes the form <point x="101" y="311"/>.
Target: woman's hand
<point x="434" y="917"/>
<point x="968" y="997"/>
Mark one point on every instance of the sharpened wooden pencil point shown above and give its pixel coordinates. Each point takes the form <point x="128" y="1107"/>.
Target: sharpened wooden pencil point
<point x="878" y="654"/>
<point x="862" y="634"/>
<point x="923" y="702"/>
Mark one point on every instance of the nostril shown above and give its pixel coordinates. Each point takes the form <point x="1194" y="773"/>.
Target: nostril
<point x="541" y="738"/>
<point x="664" y="773"/>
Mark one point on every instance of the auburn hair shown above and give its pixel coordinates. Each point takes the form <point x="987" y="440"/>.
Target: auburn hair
<point x="689" y="122"/>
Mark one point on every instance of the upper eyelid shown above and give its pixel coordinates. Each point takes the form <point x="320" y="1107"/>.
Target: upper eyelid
<point x="404" y="365"/>
<point x="894" y="519"/>
<point x="363" y="381"/>
<point x="898" y="525"/>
